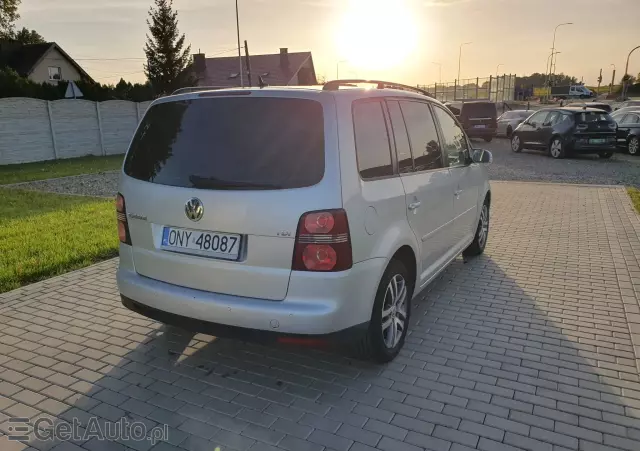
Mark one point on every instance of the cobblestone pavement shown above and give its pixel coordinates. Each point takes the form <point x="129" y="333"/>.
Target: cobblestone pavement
<point x="527" y="347"/>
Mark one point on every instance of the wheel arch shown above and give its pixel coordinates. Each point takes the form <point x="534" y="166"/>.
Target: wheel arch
<point x="406" y="255"/>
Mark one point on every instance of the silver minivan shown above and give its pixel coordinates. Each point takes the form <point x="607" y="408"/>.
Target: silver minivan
<point x="297" y="214"/>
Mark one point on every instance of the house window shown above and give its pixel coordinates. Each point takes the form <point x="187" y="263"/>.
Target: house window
<point x="55" y="73"/>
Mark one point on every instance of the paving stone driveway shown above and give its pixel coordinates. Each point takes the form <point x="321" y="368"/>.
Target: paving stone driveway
<point x="527" y="347"/>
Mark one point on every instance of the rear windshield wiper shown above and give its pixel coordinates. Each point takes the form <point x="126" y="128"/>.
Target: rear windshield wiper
<point x="216" y="183"/>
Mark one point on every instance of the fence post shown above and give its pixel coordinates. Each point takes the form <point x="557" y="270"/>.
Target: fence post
<point x="137" y="113"/>
<point x="477" y="86"/>
<point x="491" y="87"/>
<point x="100" y="128"/>
<point x="53" y="131"/>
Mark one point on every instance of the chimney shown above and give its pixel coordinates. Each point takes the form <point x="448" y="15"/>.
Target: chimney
<point x="199" y="65"/>
<point x="284" y="58"/>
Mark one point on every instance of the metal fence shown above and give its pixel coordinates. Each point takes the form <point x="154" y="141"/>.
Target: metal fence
<point x="497" y="89"/>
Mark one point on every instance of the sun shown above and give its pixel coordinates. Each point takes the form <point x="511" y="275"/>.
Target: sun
<point x="376" y="34"/>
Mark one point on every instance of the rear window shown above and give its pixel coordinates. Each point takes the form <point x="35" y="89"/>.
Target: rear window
<point x="593" y="116"/>
<point x="479" y="109"/>
<point x="230" y="143"/>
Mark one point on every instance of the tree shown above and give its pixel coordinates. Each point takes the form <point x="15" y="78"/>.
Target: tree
<point x="8" y="16"/>
<point x="167" y="59"/>
<point x="26" y="36"/>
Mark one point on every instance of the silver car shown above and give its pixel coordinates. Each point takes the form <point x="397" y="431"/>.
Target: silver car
<point x="297" y="214"/>
<point x="508" y="122"/>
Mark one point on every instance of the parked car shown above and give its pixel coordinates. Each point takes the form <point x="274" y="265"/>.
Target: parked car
<point x="622" y="111"/>
<point x="478" y="118"/>
<point x="571" y="92"/>
<point x="297" y="214"/>
<point x="564" y="130"/>
<point x="599" y="105"/>
<point x="509" y="120"/>
<point x="628" y="133"/>
<point x="627" y="103"/>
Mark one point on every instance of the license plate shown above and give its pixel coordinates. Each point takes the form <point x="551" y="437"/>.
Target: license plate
<point x="480" y="126"/>
<point x="597" y="141"/>
<point x="198" y="242"/>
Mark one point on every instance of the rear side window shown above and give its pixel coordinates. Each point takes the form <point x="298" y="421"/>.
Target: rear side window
<point x="423" y="136"/>
<point x="230" y="143"/>
<point x="403" y="149"/>
<point x="372" y="140"/>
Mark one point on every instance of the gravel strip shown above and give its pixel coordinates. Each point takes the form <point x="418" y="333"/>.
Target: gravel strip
<point x="533" y="165"/>
<point x="529" y="165"/>
<point x="103" y="184"/>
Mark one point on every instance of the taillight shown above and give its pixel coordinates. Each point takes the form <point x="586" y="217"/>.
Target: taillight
<point x="323" y="242"/>
<point x="582" y="127"/>
<point x="123" y="225"/>
<point x="613" y="125"/>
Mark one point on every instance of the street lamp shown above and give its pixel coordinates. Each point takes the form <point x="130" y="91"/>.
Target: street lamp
<point x="497" y="67"/>
<point x="239" y="52"/>
<point x="626" y="72"/>
<point x="338" y="68"/>
<point x="460" y="58"/>
<point x="440" y="71"/>
<point x="553" y="46"/>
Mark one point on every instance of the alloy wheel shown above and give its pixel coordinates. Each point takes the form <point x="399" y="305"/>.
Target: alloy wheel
<point x="515" y="143"/>
<point x="394" y="311"/>
<point x="483" y="231"/>
<point x="556" y="148"/>
<point x="634" y="146"/>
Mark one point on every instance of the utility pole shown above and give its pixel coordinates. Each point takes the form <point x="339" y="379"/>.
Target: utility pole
<point x="247" y="61"/>
<point x="553" y="49"/>
<point x="613" y="78"/>
<point x="599" y="81"/>
<point x="239" y="48"/>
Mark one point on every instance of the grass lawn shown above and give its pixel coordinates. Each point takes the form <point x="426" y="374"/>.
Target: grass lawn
<point x="27" y="172"/>
<point x="634" y="193"/>
<point x="43" y="235"/>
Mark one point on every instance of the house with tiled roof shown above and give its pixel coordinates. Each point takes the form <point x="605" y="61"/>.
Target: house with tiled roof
<point x="276" y="69"/>
<point x="45" y="62"/>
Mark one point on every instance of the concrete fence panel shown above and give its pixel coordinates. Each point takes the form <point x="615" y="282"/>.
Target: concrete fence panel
<point x="142" y="108"/>
<point x="75" y="124"/>
<point x="25" y="131"/>
<point x="119" y="120"/>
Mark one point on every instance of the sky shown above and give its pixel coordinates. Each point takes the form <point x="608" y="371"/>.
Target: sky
<point x="396" y="40"/>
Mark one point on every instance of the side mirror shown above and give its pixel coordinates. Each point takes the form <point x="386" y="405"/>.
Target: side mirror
<point x="546" y="124"/>
<point x="481" y="156"/>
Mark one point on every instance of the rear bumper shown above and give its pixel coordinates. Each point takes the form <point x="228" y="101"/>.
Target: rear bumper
<point x="593" y="148"/>
<point x="316" y="303"/>
<point x="480" y="132"/>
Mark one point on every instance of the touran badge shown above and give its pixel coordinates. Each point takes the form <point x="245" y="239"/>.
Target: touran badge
<point x="194" y="209"/>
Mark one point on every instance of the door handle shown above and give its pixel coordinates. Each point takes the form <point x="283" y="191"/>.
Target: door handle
<point x="413" y="206"/>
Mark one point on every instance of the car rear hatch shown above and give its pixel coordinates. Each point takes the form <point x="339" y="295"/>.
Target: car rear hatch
<point x="478" y="115"/>
<point x="595" y="128"/>
<point x="250" y="163"/>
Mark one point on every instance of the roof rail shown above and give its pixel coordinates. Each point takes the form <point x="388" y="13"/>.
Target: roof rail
<point x="334" y="85"/>
<point x="196" y="89"/>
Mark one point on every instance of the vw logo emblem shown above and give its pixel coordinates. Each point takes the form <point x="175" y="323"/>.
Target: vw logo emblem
<point x="194" y="209"/>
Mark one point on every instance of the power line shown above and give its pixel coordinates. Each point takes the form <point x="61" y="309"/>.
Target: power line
<point x="144" y="59"/>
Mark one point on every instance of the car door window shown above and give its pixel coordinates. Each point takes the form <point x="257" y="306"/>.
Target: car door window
<point x="631" y="119"/>
<point x="455" y="143"/>
<point x="401" y="137"/>
<point x="538" y="118"/>
<point x="372" y="140"/>
<point x="425" y="146"/>
<point x="553" y="118"/>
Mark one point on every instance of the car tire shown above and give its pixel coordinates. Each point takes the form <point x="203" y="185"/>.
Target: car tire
<point x="556" y="148"/>
<point x="488" y="139"/>
<point x="509" y="131"/>
<point x="383" y="344"/>
<point x="516" y="143"/>
<point x="605" y="155"/>
<point x="482" y="233"/>
<point x="633" y="146"/>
